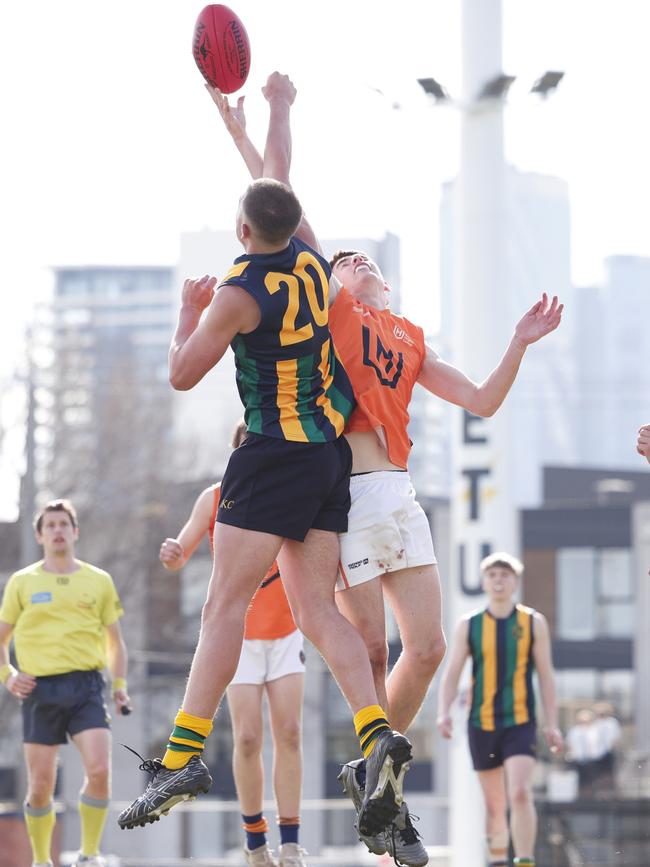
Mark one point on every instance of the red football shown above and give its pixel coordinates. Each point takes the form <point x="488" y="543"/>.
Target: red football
<point x="221" y="48"/>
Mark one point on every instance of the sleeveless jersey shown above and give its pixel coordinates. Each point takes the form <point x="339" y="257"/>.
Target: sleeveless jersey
<point x="502" y="669"/>
<point x="382" y="353"/>
<point x="290" y="380"/>
<point x="269" y="615"/>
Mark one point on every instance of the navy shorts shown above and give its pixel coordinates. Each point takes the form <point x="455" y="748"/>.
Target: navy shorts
<point x="287" y="488"/>
<point x="62" y="705"/>
<point x="490" y="749"/>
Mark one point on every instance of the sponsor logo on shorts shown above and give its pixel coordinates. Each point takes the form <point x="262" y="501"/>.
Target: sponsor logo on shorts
<point x="302" y="656"/>
<point x="45" y="596"/>
<point x="358" y="563"/>
<point x="226" y="504"/>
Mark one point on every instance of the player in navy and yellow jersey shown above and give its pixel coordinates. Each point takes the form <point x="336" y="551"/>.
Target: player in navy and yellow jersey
<point x="285" y="493"/>
<point x="63" y="615"/>
<point x="506" y="641"/>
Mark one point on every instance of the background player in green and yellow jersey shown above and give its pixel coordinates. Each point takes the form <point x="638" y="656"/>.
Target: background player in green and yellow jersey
<point x="506" y="642"/>
<point x="63" y="616"/>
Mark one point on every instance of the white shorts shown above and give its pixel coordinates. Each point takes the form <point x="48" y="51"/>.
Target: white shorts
<point x="387" y="529"/>
<point x="262" y="661"/>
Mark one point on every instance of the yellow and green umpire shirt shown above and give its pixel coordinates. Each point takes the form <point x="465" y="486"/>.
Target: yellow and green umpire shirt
<point x="60" y="619"/>
<point x="502" y="669"/>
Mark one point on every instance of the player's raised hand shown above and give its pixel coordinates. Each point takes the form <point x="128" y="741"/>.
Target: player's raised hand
<point x="21" y="684"/>
<point x="198" y="293"/>
<point x="233" y="116"/>
<point x="171" y="554"/>
<point x="540" y="320"/>
<point x="279" y="87"/>
<point x="445" y="726"/>
<point x="643" y="442"/>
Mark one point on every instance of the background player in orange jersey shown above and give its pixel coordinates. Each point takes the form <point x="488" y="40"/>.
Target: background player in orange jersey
<point x="388" y="535"/>
<point x="505" y="641"/>
<point x="272" y="661"/>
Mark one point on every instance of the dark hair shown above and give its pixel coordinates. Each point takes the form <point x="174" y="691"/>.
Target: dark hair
<point x="343" y="254"/>
<point x="56" y="506"/>
<point x="272" y="209"/>
<point x="238" y="434"/>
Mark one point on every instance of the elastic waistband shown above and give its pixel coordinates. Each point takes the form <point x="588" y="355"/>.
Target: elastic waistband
<point x="378" y="473"/>
<point x="66" y="675"/>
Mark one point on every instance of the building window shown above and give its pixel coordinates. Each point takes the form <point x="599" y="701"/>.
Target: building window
<point x="595" y="593"/>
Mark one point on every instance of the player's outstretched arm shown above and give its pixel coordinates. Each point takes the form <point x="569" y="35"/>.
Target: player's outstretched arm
<point x="544" y="667"/>
<point x="174" y="553"/>
<point x="643" y="442"/>
<point x="234" y="118"/>
<point x="199" y="344"/>
<point x="280" y="93"/>
<point x="451" y="677"/>
<point x="484" y="399"/>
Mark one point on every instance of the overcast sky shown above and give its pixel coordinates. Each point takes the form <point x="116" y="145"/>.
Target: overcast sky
<point x="111" y="147"/>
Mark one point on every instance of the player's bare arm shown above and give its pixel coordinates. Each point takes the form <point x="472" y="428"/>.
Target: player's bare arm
<point x="450" y="679"/>
<point x="174" y="553"/>
<point x="544" y="667"/>
<point x="234" y="118"/>
<point x="484" y="399"/>
<point x="117" y="663"/>
<point x="200" y="343"/>
<point x="17" y="682"/>
<point x="643" y="442"/>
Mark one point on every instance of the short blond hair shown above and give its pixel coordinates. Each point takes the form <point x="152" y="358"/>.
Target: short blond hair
<point x="504" y="560"/>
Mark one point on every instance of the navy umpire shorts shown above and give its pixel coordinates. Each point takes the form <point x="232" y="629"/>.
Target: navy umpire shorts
<point x="62" y="705"/>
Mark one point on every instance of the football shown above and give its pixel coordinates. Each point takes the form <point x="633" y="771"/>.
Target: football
<point x="221" y="48"/>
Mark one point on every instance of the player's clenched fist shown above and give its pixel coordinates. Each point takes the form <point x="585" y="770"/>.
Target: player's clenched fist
<point x="279" y="86"/>
<point x="445" y="726"/>
<point x="171" y="554"/>
<point x="643" y="442"/>
<point x="198" y="293"/>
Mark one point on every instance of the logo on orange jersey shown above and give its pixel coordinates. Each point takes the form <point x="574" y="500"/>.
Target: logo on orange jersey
<point x="400" y="334"/>
<point x="387" y="366"/>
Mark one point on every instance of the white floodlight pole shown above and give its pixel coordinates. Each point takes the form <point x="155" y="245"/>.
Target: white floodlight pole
<point x="483" y="514"/>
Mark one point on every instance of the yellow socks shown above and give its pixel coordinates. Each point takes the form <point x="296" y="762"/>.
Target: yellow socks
<point x="187" y="739"/>
<point x="368" y="723"/>
<point x="92" y="813"/>
<point x="40" y="823"/>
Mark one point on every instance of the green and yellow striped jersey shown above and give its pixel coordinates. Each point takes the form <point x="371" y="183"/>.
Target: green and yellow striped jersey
<point x="502" y="668"/>
<point x="290" y="379"/>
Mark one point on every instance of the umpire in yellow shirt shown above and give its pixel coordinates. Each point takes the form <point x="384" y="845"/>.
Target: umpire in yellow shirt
<point x="63" y="615"/>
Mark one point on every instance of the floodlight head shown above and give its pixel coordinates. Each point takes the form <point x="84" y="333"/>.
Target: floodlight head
<point x="433" y="88"/>
<point x="547" y="83"/>
<point x="496" y="88"/>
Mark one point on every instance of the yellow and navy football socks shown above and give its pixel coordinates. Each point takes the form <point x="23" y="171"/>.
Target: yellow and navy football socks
<point x="524" y="862"/>
<point x="368" y="723"/>
<point x="256" y="828"/>
<point x="186" y="740"/>
<point x="40" y="823"/>
<point x="92" y="813"/>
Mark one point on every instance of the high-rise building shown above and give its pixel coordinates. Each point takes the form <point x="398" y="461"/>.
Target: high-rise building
<point x="536" y="218"/>
<point x="613" y="362"/>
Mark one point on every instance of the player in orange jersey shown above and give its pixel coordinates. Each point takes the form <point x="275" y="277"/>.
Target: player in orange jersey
<point x="388" y="535"/>
<point x="272" y="661"/>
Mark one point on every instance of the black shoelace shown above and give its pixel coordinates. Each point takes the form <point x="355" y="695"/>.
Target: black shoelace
<point x="149" y="766"/>
<point x="408" y="834"/>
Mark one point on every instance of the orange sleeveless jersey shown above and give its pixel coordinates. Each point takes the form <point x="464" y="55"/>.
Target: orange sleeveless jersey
<point x="269" y="615"/>
<point x="382" y="354"/>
